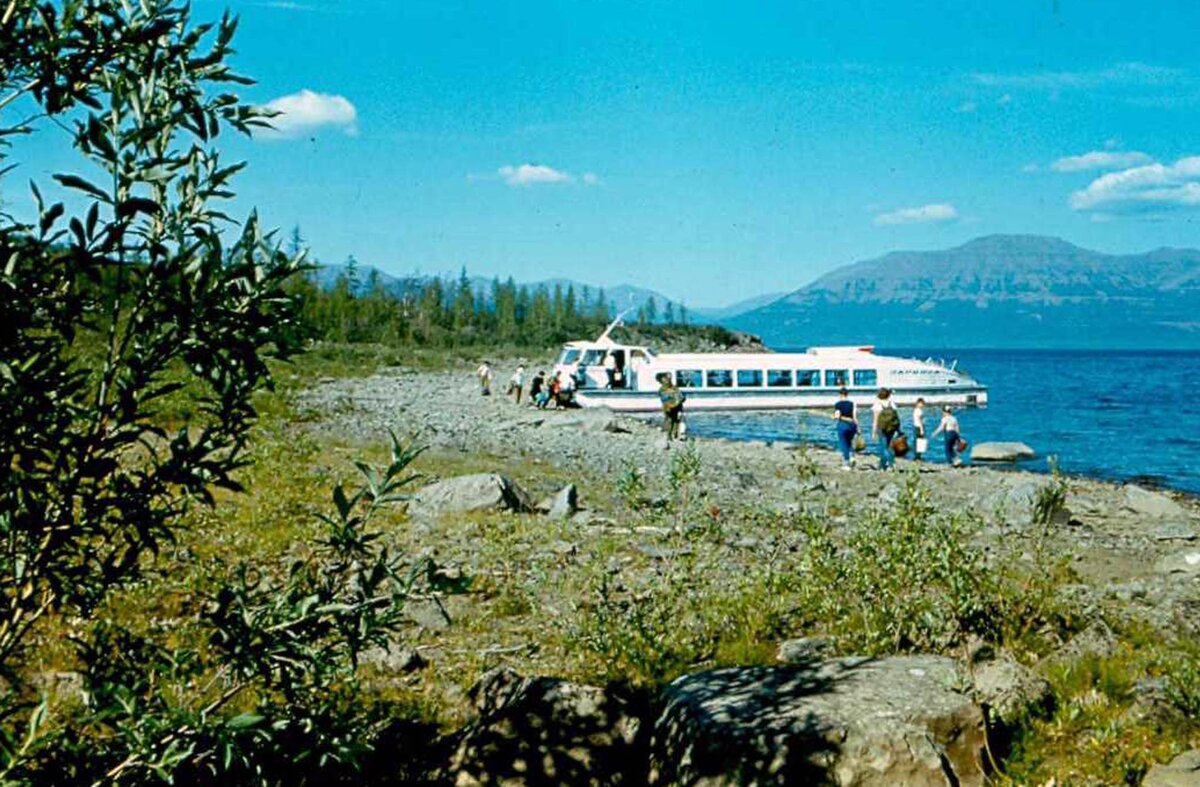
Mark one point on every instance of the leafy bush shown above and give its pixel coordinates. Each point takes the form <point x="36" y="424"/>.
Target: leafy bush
<point x="1050" y="500"/>
<point x="134" y="337"/>
<point x="910" y="577"/>
<point x="270" y="694"/>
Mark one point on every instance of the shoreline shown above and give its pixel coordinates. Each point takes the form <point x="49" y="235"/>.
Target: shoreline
<point x="1112" y="524"/>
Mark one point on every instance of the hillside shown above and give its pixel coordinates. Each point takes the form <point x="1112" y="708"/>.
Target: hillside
<point x="995" y="291"/>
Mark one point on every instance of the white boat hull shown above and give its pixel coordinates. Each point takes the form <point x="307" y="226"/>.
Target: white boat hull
<point x="790" y="399"/>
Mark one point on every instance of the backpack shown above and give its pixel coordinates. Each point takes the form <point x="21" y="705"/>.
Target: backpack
<point x="889" y="420"/>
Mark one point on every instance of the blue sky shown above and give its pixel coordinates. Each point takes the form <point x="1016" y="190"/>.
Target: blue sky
<point x="714" y="151"/>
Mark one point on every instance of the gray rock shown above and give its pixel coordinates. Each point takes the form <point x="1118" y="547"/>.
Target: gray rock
<point x="617" y="426"/>
<point x="1180" y="563"/>
<point x="1016" y="502"/>
<point x="1011" y="691"/>
<point x="894" y="721"/>
<point x="461" y="494"/>
<point x="427" y="613"/>
<point x="662" y="553"/>
<point x="1001" y="452"/>
<point x="1183" y="771"/>
<point x="803" y="650"/>
<point x="1095" y="640"/>
<point x="889" y="494"/>
<point x="1152" y="504"/>
<point x="562" y="504"/>
<point x="394" y="658"/>
<point x="541" y="731"/>
<point x="1175" y="531"/>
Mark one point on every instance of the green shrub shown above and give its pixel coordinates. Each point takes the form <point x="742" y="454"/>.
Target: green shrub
<point x="909" y="577"/>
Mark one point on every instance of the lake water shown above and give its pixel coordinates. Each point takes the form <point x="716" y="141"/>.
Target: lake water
<point x="1120" y="415"/>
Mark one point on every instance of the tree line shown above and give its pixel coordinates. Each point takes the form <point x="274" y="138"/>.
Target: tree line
<point x="435" y="312"/>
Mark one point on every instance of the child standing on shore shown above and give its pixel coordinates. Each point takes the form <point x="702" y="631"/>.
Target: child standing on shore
<point x="484" y="373"/>
<point x="919" y="442"/>
<point x="949" y="426"/>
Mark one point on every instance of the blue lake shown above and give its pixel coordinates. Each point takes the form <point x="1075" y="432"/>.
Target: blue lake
<point x="1121" y="415"/>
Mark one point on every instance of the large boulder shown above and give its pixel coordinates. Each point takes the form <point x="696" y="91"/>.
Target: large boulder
<point x="466" y="493"/>
<point x="1152" y="504"/>
<point x="544" y="731"/>
<point x="902" y="720"/>
<point x="1184" y="771"/>
<point x="1001" y="452"/>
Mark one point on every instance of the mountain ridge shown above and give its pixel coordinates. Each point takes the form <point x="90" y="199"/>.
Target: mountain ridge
<point x="1043" y="290"/>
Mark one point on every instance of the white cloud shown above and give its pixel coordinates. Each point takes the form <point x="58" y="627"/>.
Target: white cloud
<point x="1144" y="188"/>
<point x="925" y="214"/>
<point x="967" y="107"/>
<point x="306" y="111"/>
<point x="1101" y="159"/>
<point x="1031" y="167"/>
<point x="1127" y="74"/>
<point x="531" y="174"/>
<point x="1004" y="100"/>
<point x="591" y="179"/>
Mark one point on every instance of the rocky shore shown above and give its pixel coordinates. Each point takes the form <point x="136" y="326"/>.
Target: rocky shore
<point x="1132" y="552"/>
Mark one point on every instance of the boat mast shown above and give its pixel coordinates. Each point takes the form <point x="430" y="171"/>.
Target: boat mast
<point x="604" y="336"/>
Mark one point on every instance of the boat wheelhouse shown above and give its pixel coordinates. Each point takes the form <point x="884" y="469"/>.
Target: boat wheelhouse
<point x="624" y="377"/>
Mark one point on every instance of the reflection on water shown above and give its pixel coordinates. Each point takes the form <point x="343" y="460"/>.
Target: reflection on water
<point x="1121" y="415"/>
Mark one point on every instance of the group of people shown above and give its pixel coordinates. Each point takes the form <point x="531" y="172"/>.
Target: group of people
<point x="558" y="391"/>
<point x="887" y="432"/>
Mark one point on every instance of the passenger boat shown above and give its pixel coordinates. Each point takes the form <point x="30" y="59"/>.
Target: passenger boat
<point x="625" y="377"/>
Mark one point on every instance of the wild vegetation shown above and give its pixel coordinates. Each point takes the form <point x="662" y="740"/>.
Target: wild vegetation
<point x="197" y="589"/>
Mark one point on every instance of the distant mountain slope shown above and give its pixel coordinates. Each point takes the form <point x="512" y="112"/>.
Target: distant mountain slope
<point x="718" y="313"/>
<point x="995" y="291"/>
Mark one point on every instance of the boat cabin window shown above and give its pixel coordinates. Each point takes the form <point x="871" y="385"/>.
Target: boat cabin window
<point x="689" y="378"/>
<point x="837" y="377"/>
<point x="779" y="378"/>
<point x="720" y="378"/>
<point x="865" y="377"/>
<point x="593" y="358"/>
<point x="807" y="377"/>
<point x="749" y="378"/>
<point x="569" y="356"/>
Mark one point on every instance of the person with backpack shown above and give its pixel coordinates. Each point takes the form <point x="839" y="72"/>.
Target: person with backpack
<point x="672" y="406"/>
<point x="885" y="423"/>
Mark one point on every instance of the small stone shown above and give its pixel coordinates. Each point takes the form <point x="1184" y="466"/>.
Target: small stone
<point x="662" y="553"/>
<point x="562" y="504"/>
<point x="427" y="613"/>
<point x="394" y="658"/>
<point x="1175" y="531"/>
<point x="803" y="650"/>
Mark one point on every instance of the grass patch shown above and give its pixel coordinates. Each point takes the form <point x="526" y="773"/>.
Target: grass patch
<point x="1117" y="714"/>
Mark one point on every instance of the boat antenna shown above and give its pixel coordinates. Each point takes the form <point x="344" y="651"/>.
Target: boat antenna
<point x="613" y="324"/>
